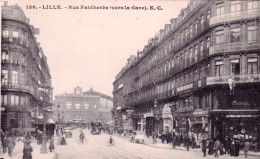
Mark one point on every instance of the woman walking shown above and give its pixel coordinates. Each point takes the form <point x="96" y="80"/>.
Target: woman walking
<point x="27" y="150"/>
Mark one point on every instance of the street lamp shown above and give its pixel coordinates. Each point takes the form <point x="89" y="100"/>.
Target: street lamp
<point x="43" y="147"/>
<point x="58" y="106"/>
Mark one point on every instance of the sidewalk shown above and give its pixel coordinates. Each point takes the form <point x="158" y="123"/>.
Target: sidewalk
<point x="18" y="152"/>
<point x="159" y="144"/>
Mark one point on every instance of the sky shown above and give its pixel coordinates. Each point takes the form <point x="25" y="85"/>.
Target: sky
<point x="88" y="47"/>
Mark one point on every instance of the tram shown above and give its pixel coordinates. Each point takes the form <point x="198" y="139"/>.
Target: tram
<point x="96" y="128"/>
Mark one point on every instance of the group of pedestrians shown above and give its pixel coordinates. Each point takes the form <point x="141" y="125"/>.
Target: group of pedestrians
<point x="229" y="146"/>
<point x="8" y="143"/>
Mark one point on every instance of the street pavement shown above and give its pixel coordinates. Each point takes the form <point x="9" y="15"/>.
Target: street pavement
<point x="97" y="147"/>
<point x="18" y="152"/>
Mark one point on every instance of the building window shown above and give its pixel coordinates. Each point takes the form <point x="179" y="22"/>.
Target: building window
<point x="235" y="35"/>
<point x="86" y="105"/>
<point x="235" y="6"/>
<point x="22" y="38"/>
<point x="77" y="105"/>
<point x="4" y="100"/>
<point x="5" y="77"/>
<point x="14" y="77"/>
<point x="252" y="65"/>
<point x="196" y="26"/>
<point x="5" y="33"/>
<point x="5" y="56"/>
<point x="202" y="47"/>
<point x="202" y="22"/>
<point x="219" y="35"/>
<point x="68" y="105"/>
<point x="208" y="15"/>
<point x="220" y="9"/>
<point x="252" y="32"/>
<point x="234" y="66"/>
<point x="219" y="68"/>
<point x="252" y="4"/>
<point x="191" y="55"/>
<point x="196" y="53"/>
<point x="14" y="100"/>
<point x="208" y="42"/>
<point x="15" y="34"/>
<point x="191" y="30"/>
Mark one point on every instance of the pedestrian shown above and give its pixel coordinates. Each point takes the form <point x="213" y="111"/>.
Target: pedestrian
<point x="154" y="137"/>
<point x="51" y="146"/>
<point x="187" y="142"/>
<point x="82" y="136"/>
<point x="237" y="147"/>
<point x="232" y="148"/>
<point x="174" y="142"/>
<point x="10" y="145"/>
<point x="204" y="146"/>
<point x="63" y="141"/>
<point x="193" y="143"/>
<point x="162" y="137"/>
<point x="217" y="147"/>
<point x="4" y="144"/>
<point x="27" y="150"/>
<point x="246" y="147"/>
<point x="211" y="147"/>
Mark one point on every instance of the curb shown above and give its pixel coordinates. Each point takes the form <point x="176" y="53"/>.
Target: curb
<point x="194" y="150"/>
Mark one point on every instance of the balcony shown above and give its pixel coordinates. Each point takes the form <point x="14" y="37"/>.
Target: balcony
<point x="248" y="78"/>
<point x="20" y="87"/>
<point x="231" y="47"/>
<point x="247" y="14"/>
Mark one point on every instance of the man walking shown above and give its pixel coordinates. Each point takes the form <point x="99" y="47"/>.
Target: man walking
<point x="10" y="145"/>
<point x="204" y="146"/>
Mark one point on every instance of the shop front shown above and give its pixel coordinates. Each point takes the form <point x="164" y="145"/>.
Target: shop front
<point x="200" y="124"/>
<point x="236" y="124"/>
<point x="182" y="121"/>
<point x="167" y="119"/>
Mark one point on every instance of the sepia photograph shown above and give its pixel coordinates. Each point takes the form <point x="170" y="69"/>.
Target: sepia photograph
<point x="130" y="79"/>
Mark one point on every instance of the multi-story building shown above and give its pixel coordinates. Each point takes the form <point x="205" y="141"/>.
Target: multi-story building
<point x="87" y="106"/>
<point x="200" y="74"/>
<point x="26" y="91"/>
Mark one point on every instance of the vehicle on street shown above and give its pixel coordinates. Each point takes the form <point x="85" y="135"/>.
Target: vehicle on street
<point x="67" y="132"/>
<point x="138" y="137"/>
<point x="96" y="128"/>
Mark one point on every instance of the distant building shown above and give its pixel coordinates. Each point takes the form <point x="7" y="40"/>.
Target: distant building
<point x="89" y="106"/>
<point x="26" y="86"/>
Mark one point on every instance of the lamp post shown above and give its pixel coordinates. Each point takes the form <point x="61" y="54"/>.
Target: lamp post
<point x="43" y="147"/>
<point x="58" y="106"/>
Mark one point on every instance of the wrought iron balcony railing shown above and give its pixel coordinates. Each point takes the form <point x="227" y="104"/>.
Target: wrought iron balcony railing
<point x="246" y="78"/>
<point x="231" y="47"/>
<point x="247" y="14"/>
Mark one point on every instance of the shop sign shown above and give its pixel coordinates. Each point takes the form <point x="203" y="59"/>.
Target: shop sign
<point x="241" y="116"/>
<point x="200" y="112"/>
<point x="166" y="109"/>
<point x="186" y="87"/>
<point x="167" y="116"/>
<point x="148" y="115"/>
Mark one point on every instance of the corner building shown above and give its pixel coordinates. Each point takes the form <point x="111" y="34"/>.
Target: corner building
<point x="179" y="81"/>
<point x="26" y="89"/>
